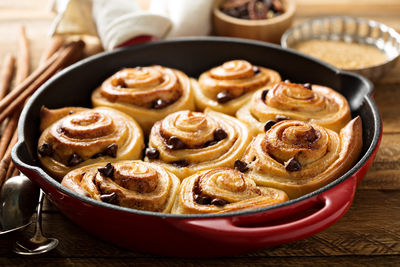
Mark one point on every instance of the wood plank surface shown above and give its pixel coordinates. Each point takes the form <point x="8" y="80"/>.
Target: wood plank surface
<point x="369" y="233"/>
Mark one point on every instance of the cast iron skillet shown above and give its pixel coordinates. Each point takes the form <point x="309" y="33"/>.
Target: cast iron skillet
<point x="199" y="235"/>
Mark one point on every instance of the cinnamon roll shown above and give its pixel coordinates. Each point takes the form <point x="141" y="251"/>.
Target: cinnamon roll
<point x="299" y="157"/>
<point x="74" y="137"/>
<point x="186" y="142"/>
<point x="228" y="87"/>
<point x="147" y="94"/>
<point x="306" y="102"/>
<point x="132" y="184"/>
<point x="222" y="190"/>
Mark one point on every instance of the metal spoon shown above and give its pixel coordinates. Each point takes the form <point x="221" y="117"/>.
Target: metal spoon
<point x="18" y="200"/>
<point x="37" y="244"/>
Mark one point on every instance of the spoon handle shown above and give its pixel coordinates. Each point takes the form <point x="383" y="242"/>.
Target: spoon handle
<point x="38" y="236"/>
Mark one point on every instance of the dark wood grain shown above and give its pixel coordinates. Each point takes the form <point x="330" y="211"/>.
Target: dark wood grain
<point x="385" y="171"/>
<point x="361" y="261"/>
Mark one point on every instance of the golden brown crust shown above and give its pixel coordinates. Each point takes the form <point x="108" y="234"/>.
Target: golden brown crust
<point x="49" y="116"/>
<point x="147" y="94"/>
<point x="87" y="136"/>
<point x="239" y="79"/>
<point x="210" y="139"/>
<point x="223" y="190"/>
<point x="321" y="105"/>
<point x="132" y="184"/>
<point x="299" y="157"/>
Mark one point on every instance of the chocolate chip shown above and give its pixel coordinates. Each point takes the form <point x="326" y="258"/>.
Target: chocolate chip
<point x="202" y="200"/>
<point x="279" y="118"/>
<point x="109" y="198"/>
<point x="180" y="163"/>
<point x="241" y="166"/>
<point x="74" y="159"/>
<point x="98" y="155"/>
<point x="175" y="143"/>
<point x="111" y="150"/>
<point x="121" y="84"/>
<point x="45" y="150"/>
<point x="264" y="95"/>
<point x="292" y="165"/>
<point x="256" y="70"/>
<point x="159" y="103"/>
<point x="269" y="124"/>
<point x="220" y="134"/>
<point x="308" y="86"/>
<point x="210" y="143"/>
<point x="107" y="170"/>
<point x="223" y="97"/>
<point x="71" y="112"/>
<point x="152" y="153"/>
<point x="311" y="136"/>
<point x="219" y="202"/>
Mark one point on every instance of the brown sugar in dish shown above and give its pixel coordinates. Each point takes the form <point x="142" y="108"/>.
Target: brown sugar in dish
<point x="341" y="54"/>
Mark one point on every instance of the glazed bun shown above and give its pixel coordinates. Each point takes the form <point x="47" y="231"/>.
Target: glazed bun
<point x="313" y="103"/>
<point x="299" y="157"/>
<point x="228" y="87"/>
<point x="185" y="142"/>
<point x="132" y="184"/>
<point x="147" y="94"/>
<point x="75" y="137"/>
<point x="222" y="190"/>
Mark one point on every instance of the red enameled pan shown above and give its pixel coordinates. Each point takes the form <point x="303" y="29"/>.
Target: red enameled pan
<point x="200" y="235"/>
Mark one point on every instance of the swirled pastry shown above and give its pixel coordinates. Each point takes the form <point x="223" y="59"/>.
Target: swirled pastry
<point x="132" y="184"/>
<point x="299" y="157"/>
<point x="314" y="103"/>
<point x="147" y="94"/>
<point x="186" y="142"/>
<point x="228" y="87"/>
<point x="74" y="137"/>
<point x="222" y="190"/>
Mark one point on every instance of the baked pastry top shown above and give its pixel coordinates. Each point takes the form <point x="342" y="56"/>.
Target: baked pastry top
<point x="75" y="137"/>
<point x="306" y="102"/>
<point x="299" y="157"/>
<point x="188" y="141"/>
<point x="221" y="190"/>
<point x="147" y="94"/>
<point x="132" y="184"/>
<point x="288" y="140"/>
<point x="227" y="87"/>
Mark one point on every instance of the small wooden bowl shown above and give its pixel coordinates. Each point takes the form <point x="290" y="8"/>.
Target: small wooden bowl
<point x="269" y="30"/>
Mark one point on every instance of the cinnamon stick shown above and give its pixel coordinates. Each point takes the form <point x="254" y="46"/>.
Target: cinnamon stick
<point x="15" y="172"/>
<point x="6" y="74"/>
<point x="53" y="46"/>
<point x="11" y="165"/>
<point x="55" y="43"/>
<point x="17" y="97"/>
<point x="26" y="83"/>
<point x="6" y="160"/>
<point x="7" y="135"/>
<point x="23" y="61"/>
<point x="22" y="73"/>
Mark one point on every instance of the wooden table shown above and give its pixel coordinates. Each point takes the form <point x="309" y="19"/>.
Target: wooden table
<point x="369" y="234"/>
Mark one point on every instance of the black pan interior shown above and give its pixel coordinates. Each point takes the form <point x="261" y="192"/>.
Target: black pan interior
<point x="73" y="86"/>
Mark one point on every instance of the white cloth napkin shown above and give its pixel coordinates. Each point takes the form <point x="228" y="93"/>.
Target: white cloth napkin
<point x="118" y="21"/>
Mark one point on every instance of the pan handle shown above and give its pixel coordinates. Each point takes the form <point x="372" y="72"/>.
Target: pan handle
<point x="335" y="202"/>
